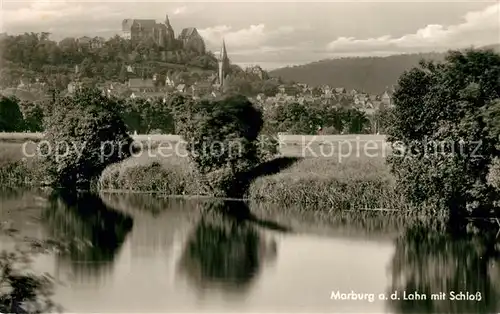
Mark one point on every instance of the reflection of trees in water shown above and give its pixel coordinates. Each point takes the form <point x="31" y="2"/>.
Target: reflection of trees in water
<point x="225" y="252"/>
<point x="430" y="261"/>
<point x="159" y="221"/>
<point x="91" y="232"/>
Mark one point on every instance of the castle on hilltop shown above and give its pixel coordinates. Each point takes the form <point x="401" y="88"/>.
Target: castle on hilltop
<point x="162" y="34"/>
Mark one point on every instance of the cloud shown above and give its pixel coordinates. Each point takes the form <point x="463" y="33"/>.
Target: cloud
<point x="50" y="15"/>
<point x="478" y="28"/>
<point x="252" y="36"/>
<point x="42" y="11"/>
<point x="180" y="10"/>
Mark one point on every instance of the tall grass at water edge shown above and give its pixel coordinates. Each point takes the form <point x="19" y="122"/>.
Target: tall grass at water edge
<point x="355" y="182"/>
<point x="320" y="183"/>
<point x="327" y="184"/>
<point x="15" y="169"/>
<point x="172" y="176"/>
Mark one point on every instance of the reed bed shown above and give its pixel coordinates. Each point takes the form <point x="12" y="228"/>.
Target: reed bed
<point x="172" y="176"/>
<point x="327" y="184"/>
<point x="15" y="168"/>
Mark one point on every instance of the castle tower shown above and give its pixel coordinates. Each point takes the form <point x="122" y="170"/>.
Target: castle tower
<point x="223" y="64"/>
<point x="167" y="22"/>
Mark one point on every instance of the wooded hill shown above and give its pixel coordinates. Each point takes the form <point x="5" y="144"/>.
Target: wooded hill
<point x="370" y="74"/>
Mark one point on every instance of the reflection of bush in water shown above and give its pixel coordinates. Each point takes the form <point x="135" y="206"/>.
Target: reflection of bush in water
<point x="91" y="232"/>
<point x="224" y="250"/>
<point x="429" y="262"/>
<point x="154" y="204"/>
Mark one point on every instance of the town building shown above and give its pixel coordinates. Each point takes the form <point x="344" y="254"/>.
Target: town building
<point x="76" y="84"/>
<point x="169" y="82"/>
<point x="141" y="29"/>
<point x="201" y="88"/>
<point x="340" y="90"/>
<point x="192" y="40"/>
<point x="386" y="98"/>
<point x="141" y="85"/>
<point x="257" y="71"/>
<point x="97" y="42"/>
<point x="181" y="88"/>
<point x="287" y="90"/>
<point x="85" y="42"/>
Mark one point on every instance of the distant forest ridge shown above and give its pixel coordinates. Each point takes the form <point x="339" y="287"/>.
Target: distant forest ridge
<point x="369" y="74"/>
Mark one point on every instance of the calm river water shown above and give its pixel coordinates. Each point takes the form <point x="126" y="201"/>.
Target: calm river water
<point x="134" y="253"/>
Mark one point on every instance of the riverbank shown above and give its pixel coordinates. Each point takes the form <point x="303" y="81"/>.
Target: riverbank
<point x="330" y="175"/>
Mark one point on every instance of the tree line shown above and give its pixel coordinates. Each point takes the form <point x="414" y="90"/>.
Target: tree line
<point x="156" y="116"/>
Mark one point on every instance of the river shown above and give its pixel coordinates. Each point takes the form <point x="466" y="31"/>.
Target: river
<point x="136" y="253"/>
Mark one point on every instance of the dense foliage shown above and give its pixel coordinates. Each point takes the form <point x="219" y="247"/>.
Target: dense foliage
<point x="370" y="74"/>
<point x="445" y="120"/>
<point x="84" y="134"/>
<point x="33" y="116"/>
<point x="32" y="55"/>
<point x="147" y="116"/>
<point x="155" y="115"/>
<point x="11" y="118"/>
<point x="307" y="118"/>
<point x="222" y="139"/>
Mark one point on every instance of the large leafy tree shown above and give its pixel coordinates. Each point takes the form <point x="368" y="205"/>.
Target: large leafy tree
<point x="296" y="118"/>
<point x="222" y="139"/>
<point x="447" y="140"/>
<point x="305" y="118"/>
<point x="145" y="115"/>
<point x="85" y="133"/>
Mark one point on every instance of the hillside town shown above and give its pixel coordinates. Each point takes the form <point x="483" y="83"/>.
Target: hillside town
<point x="159" y="65"/>
<point x="146" y="82"/>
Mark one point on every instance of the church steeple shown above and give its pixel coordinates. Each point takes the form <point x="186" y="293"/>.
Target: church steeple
<point x="223" y="51"/>
<point x="168" y="33"/>
<point x="223" y="64"/>
<point x="167" y="21"/>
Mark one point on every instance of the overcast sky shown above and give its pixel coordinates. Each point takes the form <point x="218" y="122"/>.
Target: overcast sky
<point x="278" y="33"/>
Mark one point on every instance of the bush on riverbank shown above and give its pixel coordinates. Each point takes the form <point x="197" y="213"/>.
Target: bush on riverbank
<point x="16" y="170"/>
<point x="446" y="116"/>
<point x="322" y="184"/>
<point x="19" y="173"/>
<point x="85" y="133"/>
<point x="175" y="177"/>
<point x="326" y="184"/>
<point x="222" y="142"/>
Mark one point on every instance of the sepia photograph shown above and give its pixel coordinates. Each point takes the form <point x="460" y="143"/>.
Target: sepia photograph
<point x="250" y="156"/>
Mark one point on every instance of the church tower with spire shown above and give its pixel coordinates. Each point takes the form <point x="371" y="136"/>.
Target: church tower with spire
<point x="223" y="64"/>
<point x="169" y="31"/>
<point x="164" y="34"/>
